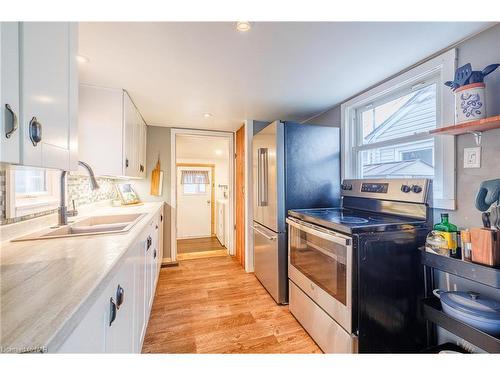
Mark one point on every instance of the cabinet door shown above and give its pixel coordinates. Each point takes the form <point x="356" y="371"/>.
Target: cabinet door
<point x="142" y="146"/>
<point x="9" y="92"/>
<point x="161" y="236"/>
<point x="100" y="129"/>
<point x="120" y="331"/>
<point x="131" y="166"/>
<point x="140" y="292"/>
<point x="90" y="334"/>
<point x="49" y="92"/>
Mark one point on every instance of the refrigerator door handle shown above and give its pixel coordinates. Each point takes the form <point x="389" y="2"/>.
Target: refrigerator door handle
<point x="263" y="183"/>
<point x="270" y="238"/>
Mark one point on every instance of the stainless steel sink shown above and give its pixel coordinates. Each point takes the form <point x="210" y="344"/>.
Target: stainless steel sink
<point x="91" y="225"/>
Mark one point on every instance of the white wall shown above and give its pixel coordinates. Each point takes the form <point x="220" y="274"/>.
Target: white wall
<point x="158" y="144"/>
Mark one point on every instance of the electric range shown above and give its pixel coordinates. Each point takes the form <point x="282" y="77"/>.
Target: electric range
<point x="354" y="276"/>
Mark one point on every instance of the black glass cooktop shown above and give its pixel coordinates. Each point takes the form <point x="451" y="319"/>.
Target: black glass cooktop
<point x="349" y="221"/>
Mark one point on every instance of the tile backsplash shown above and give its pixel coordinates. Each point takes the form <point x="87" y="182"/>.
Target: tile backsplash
<point x="78" y="189"/>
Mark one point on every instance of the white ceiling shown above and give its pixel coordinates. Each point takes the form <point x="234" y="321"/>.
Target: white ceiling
<point x="206" y="148"/>
<point x="177" y="71"/>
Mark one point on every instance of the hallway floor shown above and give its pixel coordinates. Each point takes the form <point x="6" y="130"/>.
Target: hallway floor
<point x="195" y="248"/>
<point x="212" y="305"/>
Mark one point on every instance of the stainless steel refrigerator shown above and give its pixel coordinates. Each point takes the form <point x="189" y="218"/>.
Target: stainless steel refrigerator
<point x="294" y="166"/>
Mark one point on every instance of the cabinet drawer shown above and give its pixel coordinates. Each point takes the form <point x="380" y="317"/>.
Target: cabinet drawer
<point x="329" y="335"/>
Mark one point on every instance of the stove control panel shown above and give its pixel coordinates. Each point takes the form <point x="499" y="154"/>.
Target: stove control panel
<point x="380" y="188"/>
<point x="404" y="190"/>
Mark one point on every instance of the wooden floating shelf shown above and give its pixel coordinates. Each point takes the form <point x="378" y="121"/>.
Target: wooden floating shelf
<point x="485" y="124"/>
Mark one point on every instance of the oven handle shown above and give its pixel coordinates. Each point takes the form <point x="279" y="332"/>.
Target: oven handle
<point x="323" y="233"/>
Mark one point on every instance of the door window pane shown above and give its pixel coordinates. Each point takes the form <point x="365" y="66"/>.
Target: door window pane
<point x="194" y="189"/>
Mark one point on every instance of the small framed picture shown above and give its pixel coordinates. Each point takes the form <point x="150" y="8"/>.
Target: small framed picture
<point x="127" y="194"/>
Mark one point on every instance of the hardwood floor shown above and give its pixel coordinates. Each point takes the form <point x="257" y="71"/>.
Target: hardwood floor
<point x="202" y="254"/>
<point x="192" y="245"/>
<point x="211" y="305"/>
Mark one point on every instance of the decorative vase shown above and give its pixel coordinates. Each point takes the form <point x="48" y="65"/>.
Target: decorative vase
<point x="470" y="102"/>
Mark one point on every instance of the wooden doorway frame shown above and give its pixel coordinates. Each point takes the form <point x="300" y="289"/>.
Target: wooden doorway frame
<point x="212" y="192"/>
<point x="239" y="195"/>
<point x="174" y="132"/>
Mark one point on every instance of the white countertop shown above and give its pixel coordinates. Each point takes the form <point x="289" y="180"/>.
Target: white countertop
<point x="48" y="285"/>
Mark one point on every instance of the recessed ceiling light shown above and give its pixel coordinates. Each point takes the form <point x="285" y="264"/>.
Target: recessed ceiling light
<point x="218" y="152"/>
<point x="243" y="26"/>
<point x="207" y="115"/>
<point x="82" y="59"/>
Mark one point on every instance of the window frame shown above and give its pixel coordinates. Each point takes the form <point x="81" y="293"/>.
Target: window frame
<point x="442" y="67"/>
<point x="18" y="205"/>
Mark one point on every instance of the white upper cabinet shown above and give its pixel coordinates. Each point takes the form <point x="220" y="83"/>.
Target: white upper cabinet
<point x="40" y="85"/>
<point x="9" y="92"/>
<point x="111" y="133"/>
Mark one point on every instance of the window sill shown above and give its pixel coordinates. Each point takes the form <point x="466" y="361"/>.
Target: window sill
<point x="29" y="207"/>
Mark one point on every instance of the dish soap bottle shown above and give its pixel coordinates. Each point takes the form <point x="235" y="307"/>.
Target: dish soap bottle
<point x="450" y="233"/>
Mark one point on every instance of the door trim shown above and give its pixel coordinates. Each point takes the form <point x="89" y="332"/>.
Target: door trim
<point x="212" y="192"/>
<point x="173" y="184"/>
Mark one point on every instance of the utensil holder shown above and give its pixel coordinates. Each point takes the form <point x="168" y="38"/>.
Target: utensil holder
<point x="485" y="246"/>
<point x="470" y="103"/>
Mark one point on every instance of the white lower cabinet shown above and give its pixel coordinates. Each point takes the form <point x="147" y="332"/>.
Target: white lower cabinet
<point x="120" y="334"/>
<point x="117" y="321"/>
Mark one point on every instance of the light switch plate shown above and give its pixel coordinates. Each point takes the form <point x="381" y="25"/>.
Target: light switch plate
<point x="472" y="157"/>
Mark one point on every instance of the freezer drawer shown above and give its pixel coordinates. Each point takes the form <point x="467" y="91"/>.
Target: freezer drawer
<point x="270" y="261"/>
<point x="329" y="335"/>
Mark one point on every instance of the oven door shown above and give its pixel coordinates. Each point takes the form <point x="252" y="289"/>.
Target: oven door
<point x="320" y="264"/>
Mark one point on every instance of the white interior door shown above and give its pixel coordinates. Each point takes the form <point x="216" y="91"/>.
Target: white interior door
<point x="194" y="214"/>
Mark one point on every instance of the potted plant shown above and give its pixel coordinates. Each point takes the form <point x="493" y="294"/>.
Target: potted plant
<point x="469" y="88"/>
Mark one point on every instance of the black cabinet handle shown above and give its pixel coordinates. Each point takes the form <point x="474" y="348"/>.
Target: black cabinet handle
<point x="154" y="254"/>
<point x="13" y="121"/>
<point x="112" y="311"/>
<point x="149" y="241"/>
<point x="161" y="217"/>
<point x="141" y="168"/>
<point x="120" y="295"/>
<point x="156" y="226"/>
<point x="126" y="163"/>
<point x="35" y="131"/>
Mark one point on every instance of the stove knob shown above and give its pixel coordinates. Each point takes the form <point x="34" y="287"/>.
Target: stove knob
<point x="405" y="188"/>
<point x="416" y="189"/>
<point x="349" y="187"/>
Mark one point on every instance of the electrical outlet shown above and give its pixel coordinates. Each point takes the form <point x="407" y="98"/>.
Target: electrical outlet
<point x="472" y="157"/>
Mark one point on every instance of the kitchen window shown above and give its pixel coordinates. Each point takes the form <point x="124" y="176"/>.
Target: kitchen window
<point x="386" y="129"/>
<point x="31" y="190"/>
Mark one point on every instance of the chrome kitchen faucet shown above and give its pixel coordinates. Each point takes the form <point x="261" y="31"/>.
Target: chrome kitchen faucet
<point x="63" y="210"/>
